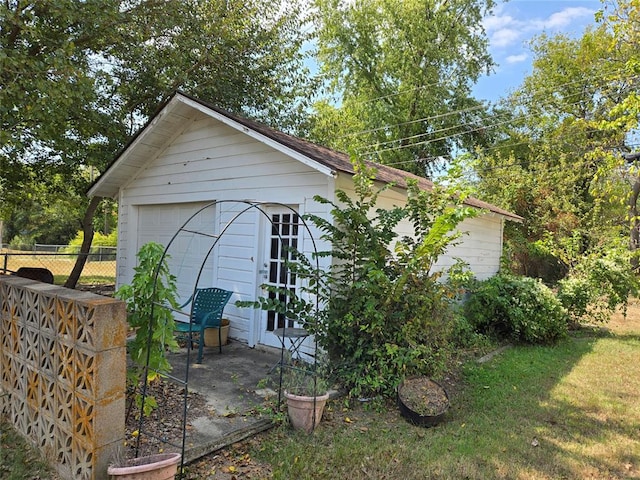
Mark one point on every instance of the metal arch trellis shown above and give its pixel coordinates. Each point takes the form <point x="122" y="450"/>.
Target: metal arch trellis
<point x="247" y="206"/>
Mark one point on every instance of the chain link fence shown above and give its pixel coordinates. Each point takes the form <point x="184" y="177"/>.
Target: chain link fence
<point x="100" y="267"/>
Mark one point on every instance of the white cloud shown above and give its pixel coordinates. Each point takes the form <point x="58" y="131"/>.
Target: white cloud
<point x="505" y="29"/>
<point x="517" y="58"/>
<point x="565" y="17"/>
<point x="505" y="37"/>
<point x="515" y="23"/>
<point x="497" y="22"/>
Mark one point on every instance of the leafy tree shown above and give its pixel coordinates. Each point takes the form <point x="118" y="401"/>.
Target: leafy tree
<point x="553" y="166"/>
<point x="400" y="74"/>
<point x="243" y="56"/>
<point x="52" y="122"/>
<point x="619" y="172"/>
<point x="48" y="214"/>
<point x="79" y="77"/>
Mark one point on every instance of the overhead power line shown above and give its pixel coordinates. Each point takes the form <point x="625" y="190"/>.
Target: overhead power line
<point x="452" y="127"/>
<point x="410" y="122"/>
<point x="549" y="91"/>
<point x="486" y="149"/>
<point x="425" y="142"/>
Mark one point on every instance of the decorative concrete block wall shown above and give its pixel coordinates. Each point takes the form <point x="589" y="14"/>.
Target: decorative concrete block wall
<point x="62" y="373"/>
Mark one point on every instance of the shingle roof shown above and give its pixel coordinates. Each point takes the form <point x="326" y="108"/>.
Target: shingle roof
<point x="124" y="164"/>
<point x="341" y="162"/>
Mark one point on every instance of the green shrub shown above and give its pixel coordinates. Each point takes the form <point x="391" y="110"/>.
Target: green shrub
<point x="464" y="334"/>
<point x="22" y="242"/>
<point x="152" y="287"/>
<point x="597" y="286"/>
<point x="577" y="296"/>
<point x="375" y="342"/>
<point x="388" y="314"/>
<point x="99" y="239"/>
<point x="520" y="309"/>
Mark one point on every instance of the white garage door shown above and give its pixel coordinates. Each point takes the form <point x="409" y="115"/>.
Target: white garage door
<point x="159" y="223"/>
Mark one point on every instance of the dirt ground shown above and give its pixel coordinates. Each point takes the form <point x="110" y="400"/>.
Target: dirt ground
<point x="622" y="324"/>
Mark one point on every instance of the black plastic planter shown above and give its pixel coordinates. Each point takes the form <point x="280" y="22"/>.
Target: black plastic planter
<point x="412" y="412"/>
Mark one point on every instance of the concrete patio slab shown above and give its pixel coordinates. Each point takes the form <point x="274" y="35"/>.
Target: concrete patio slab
<point x="230" y="383"/>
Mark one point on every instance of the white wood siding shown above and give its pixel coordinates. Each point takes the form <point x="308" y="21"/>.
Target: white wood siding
<point x="211" y="152"/>
<point x="480" y="246"/>
<point x="213" y="162"/>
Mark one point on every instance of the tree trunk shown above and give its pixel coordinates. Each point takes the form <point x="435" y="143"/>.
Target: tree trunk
<point x="87" y="230"/>
<point x="634" y="237"/>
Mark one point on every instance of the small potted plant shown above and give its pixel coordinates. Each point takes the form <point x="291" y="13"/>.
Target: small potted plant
<point x="306" y="391"/>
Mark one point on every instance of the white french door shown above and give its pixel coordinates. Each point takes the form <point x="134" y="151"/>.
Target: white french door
<point x="281" y="235"/>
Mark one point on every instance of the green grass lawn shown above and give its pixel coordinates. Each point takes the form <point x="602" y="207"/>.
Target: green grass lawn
<point x="94" y="272"/>
<point x="18" y="461"/>
<point x="566" y="412"/>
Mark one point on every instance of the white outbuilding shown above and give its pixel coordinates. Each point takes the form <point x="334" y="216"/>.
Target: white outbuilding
<point x="192" y="156"/>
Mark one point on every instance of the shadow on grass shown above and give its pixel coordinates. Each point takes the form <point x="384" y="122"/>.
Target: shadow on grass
<point x="552" y="412"/>
<point x="557" y="412"/>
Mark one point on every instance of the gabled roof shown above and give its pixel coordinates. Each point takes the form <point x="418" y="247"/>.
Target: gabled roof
<point x="172" y="118"/>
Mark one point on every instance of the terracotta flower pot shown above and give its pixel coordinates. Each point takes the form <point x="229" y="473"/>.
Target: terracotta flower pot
<point x="163" y="466"/>
<point x="300" y="410"/>
<point x="211" y="334"/>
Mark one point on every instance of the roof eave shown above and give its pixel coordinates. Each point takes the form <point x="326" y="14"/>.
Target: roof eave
<point x="314" y="156"/>
<point x="106" y="186"/>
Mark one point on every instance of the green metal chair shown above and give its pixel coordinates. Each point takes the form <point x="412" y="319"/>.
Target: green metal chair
<point x="206" y="312"/>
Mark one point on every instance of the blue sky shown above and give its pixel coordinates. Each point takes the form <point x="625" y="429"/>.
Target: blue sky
<point x="512" y="27"/>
